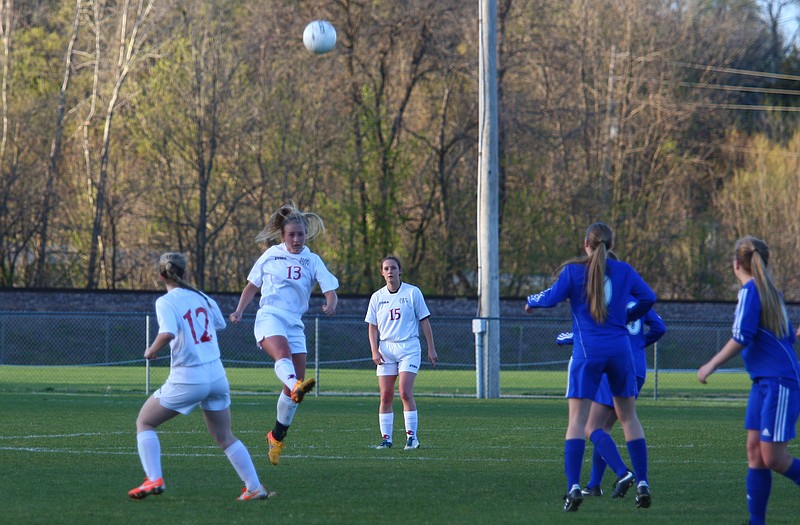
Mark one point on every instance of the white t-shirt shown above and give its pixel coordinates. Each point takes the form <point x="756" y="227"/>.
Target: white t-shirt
<point x="286" y="279"/>
<point x="397" y="315"/>
<point x="194" y="321"/>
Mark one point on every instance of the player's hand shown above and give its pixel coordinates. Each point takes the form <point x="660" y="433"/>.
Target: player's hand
<point x="150" y="353"/>
<point x="329" y="309"/>
<point x="377" y="358"/>
<point x="528" y="309"/>
<point x="703" y="372"/>
<point x="433" y="357"/>
<point x="235" y="317"/>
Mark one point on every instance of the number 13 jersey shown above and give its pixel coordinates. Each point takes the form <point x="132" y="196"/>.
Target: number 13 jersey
<point x="286" y="279"/>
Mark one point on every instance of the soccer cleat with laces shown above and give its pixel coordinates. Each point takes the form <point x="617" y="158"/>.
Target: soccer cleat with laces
<point x="275" y="449"/>
<point x="146" y="488"/>
<point x="622" y="485"/>
<point x="592" y="491"/>
<point x="385" y="443"/>
<point x="258" y="493"/>
<point x="643" y="498"/>
<point x="573" y="500"/>
<point x="301" y="388"/>
<point x="412" y="443"/>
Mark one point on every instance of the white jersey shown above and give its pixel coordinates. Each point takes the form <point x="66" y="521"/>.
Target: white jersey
<point x="397" y="315"/>
<point x="194" y="320"/>
<point x="286" y="279"/>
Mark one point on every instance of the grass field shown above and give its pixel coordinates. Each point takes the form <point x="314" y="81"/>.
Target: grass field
<point x="132" y="379"/>
<point x="70" y="458"/>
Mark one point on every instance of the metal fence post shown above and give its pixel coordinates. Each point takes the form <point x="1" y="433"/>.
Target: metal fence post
<point x="479" y="328"/>
<point x="655" y="370"/>
<point x="316" y="354"/>
<point x="147" y="361"/>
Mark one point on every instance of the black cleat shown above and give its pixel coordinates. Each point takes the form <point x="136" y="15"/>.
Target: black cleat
<point x="573" y="500"/>
<point x="622" y="485"/>
<point x="643" y="499"/>
<point x="592" y="491"/>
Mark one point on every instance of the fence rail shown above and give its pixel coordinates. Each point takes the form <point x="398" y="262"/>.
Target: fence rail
<point x="90" y="352"/>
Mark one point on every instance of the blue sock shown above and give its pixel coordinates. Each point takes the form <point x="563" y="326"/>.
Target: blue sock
<point x="759" y="484"/>
<point x="604" y="444"/>
<point x="637" y="449"/>
<point x="573" y="460"/>
<point x="793" y="473"/>
<point x="598" y="469"/>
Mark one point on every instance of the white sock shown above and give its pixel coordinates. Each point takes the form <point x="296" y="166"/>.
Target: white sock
<point x="411" y="422"/>
<point x="243" y="464"/>
<point x="284" y="369"/>
<point x="149" y="453"/>
<point x="286" y="409"/>
<point x="387" y="425"/>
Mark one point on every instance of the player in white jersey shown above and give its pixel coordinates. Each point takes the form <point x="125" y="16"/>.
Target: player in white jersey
<point x="188" y="321"/>
<point x="285" y="274"/>
<point x="395" y="314"/>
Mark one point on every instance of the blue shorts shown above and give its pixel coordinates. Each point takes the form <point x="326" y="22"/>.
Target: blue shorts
<point x="603" y="395"/>
<point x="773" y="409"/>
<point x="587" y="374"/>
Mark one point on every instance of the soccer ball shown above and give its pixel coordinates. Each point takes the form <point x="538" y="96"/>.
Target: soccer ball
<point x="319" y="37"/>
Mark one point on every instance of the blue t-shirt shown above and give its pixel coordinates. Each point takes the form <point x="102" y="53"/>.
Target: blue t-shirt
<point x="765" y="354"/>
<point x="621" y="283"/>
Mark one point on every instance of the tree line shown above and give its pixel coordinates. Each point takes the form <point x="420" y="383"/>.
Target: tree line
<point x="134" y="127"/>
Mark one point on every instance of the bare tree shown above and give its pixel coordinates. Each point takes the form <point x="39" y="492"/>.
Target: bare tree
<point x="129" y="43"/>
<point x="53" y="166"/>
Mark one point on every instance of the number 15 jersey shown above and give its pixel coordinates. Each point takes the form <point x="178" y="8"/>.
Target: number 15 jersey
<point x="397" y="315"/>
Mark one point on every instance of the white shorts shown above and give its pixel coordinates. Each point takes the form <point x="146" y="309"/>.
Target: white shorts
<point x="404" y="356"/>
<point x="271" y="321"/>
<point x="184" y="397"/>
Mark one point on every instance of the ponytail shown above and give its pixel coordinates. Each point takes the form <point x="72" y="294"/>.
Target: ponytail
<point x="753" y="256"/>
<point x="600" y="238"/>
<point x="172" y="266"/>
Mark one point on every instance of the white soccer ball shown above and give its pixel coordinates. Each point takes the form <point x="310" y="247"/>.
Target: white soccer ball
<point x="319" y="37"/>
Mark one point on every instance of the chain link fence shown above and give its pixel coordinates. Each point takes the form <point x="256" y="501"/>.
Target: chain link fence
<point x="102" y="352"/>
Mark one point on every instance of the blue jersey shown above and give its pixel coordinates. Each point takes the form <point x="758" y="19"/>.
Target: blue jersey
<point x="765" y="354"/>
<point x="612" y="336"/>
<point x="641" y="339"/>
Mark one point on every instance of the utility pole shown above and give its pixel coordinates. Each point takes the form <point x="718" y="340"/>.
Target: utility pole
<point x="487" y="327"/>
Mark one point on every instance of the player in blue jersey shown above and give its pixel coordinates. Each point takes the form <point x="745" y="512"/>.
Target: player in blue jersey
<point x="286" y="273"/>
<point x="599" y="289"/>
<point x="395" y="315"/>
<point x="188" y="321"/>
<point x="764" y="336"/>
<point x="602" y="415"/>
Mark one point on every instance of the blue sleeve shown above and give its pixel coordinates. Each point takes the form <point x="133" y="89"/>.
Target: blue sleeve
<point x="656" y="326"/>
<point x="644" y="295"/>
<point x="564" y="338"/>
<point x="747" y="317"/>
<point x="553" y="295"/>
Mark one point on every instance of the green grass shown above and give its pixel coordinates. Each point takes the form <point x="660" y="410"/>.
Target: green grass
<point x="132" y="379"/>
<point x="70" y="458"/>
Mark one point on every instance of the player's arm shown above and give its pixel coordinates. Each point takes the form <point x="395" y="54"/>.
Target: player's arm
<point x="248" y="293"/>
<point x="730" y="350"/>
<point x="433" y="357"/>
<point x="159" y="342"/>
<point x="374" y="347"/>
<point x="331" y="301"/>
<point x="552" y="296"/>
<point x="565" y="338"/>
<point x="656" y="326"/>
